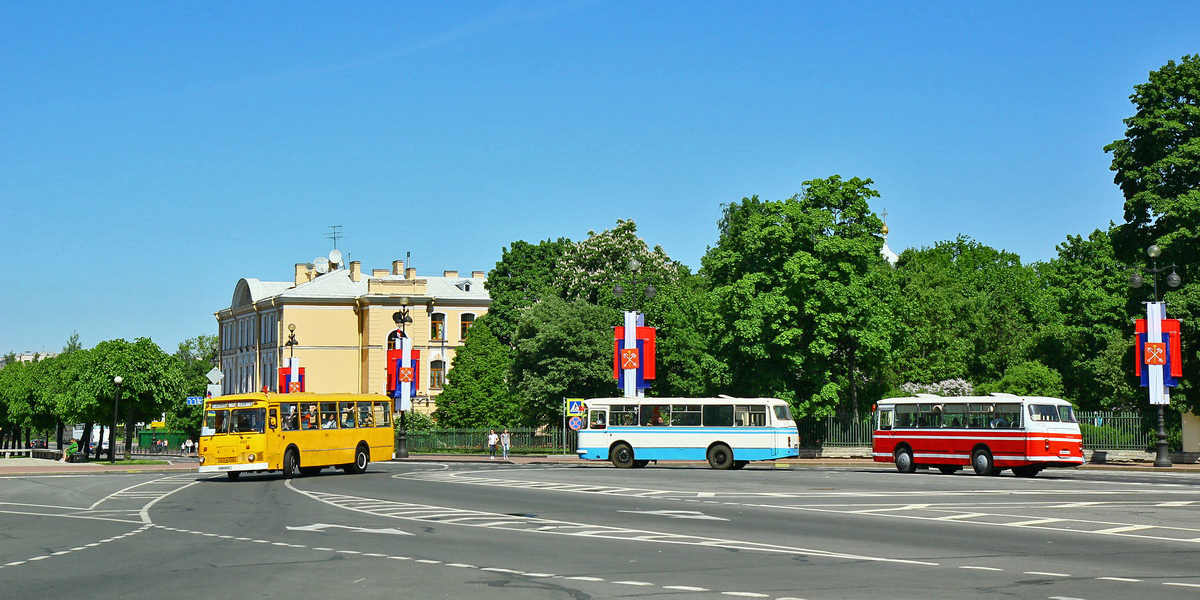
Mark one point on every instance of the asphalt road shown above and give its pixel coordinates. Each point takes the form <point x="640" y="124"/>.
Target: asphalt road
<point x="455" y="530"/>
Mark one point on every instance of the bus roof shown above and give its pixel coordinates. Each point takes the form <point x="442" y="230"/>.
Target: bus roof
<point x="989" y="399"/>
<point x="708" y="400"/>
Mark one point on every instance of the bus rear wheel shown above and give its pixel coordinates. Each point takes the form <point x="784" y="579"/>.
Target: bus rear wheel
<point x="720" y="457"/>
<point x="982" y="463"/>
<point x="622" y="456"/>
<point x="904" y="460"/>
<point x="291" y="464"/>
<point x="361" y="460"/>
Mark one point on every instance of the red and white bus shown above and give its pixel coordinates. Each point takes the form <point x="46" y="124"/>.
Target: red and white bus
<point x="989" y="433"/>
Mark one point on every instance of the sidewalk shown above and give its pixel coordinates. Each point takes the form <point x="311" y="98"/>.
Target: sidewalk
<point x="40" y="466"/>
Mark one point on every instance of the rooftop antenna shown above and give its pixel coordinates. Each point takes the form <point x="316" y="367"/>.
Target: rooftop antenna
<point x="335" y="234"/>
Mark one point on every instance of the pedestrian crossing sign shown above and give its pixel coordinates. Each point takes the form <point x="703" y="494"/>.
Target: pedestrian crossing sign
<point x="574" y="407"/>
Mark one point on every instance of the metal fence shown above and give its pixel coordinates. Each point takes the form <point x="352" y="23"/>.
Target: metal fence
<point x="525" y="440"/>
<point x="1102" y="430"/>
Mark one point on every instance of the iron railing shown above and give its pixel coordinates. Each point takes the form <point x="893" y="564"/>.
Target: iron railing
<point x="1102" y="430"/>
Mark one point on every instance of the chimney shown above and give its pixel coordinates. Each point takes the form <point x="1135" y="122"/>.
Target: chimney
<point x="355" y="270"/>
<point x="479" y="274"/>
<point x="303" y="274"/>
<point x="379" y="273"/>
<point x="449" y="273"/>
<point x="397" y="267"/>
<point x="410" y="273"/>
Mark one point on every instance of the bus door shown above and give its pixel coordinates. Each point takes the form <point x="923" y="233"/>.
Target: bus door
<point x="272" y="453"/>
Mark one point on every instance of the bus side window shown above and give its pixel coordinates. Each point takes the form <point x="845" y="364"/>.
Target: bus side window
<point x="598" y="419"/>
<point x="718" y="415"/>
<point x="906" y="415"/>
<point x="291" y="418"/>
<point x="382" y="414"/>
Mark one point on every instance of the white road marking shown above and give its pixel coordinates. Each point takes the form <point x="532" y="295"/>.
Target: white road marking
<point x="470" y="518"/>
<point x="1047" y="574"/>
<point x="980" y="568"/>
<point x="1119" y="579"/>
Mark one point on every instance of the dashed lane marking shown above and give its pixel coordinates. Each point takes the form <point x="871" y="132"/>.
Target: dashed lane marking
<point x="470" y="518"/>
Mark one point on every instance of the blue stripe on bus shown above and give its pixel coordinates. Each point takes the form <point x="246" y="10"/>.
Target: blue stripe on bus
<point x="690" y="453"/>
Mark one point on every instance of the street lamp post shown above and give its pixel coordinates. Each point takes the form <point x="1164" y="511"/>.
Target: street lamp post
<point x="291" y="343"/>
<point x="633" y="319"/>
<point x="112" y="433"/>
<point x="1154" y="315"/>
<point x="401" y="319"/>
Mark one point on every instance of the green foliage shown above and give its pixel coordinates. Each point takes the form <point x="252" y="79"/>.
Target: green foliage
<point x="1157" y="166"/>
<point x="1029" y="378"/>
<point x="418" y="421"/>
<point x="524" y="274"/>
<point x="152" y="381"/>
<point x="195" y="357"/>
<point x="803" y="296"/>
<point x="563" y="349"/>
<point x="476" y="392"/>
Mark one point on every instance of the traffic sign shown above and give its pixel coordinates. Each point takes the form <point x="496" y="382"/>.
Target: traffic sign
<point x="215" y="375"/>
<point x="194" y="400"/>
<point x="575" y="406"/>
<point x="575" y="423"/>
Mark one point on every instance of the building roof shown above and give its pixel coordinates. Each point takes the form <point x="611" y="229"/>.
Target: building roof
<point x="339" y="284"/>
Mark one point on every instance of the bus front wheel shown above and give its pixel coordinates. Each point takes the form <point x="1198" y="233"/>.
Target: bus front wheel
<point x="291" y="464"/>
<point x="720" y="457"/>
<point x="622" y="456"/>
<point x="904" y="460"/>
<point x="982" y="463"/>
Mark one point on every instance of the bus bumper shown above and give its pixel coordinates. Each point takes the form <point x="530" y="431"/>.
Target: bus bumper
<point x="262" y="466"/>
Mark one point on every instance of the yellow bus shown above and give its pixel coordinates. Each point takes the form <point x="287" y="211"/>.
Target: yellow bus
<point x="295" y="433"/>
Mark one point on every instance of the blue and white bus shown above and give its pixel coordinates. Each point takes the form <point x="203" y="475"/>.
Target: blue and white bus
<point x="727" y="432"/>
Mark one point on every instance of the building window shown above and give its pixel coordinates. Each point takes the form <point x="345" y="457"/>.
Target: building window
<point x="437" y="374"/>
<point x="437" y="327"/>
<point x="468" y="320"/>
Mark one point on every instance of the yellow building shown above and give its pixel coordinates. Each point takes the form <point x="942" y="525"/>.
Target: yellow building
<point x="343" y="319"/>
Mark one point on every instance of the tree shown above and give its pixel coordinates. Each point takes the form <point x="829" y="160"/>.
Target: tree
<point x="152" y="381"/>
<point x="1157" y="167"/>
<point x="524" y="274"/>
<point x="967" y="311"/>
<point x="1090" y="342"/>
<point x="803" y="295"/>
<point x="591" y="269"/>
<point x="1029" y="378"/>
<point x="563" y="349"/>
<point x="196" y="356"/>
<point x="476" y="392"/>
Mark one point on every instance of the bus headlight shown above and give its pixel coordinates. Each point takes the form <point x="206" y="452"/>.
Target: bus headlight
<point x="202" y="460"/>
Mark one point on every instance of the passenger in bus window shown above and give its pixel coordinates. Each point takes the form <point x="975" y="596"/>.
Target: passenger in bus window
<point x="290" y="418"/>
<point x="310" y="419"/>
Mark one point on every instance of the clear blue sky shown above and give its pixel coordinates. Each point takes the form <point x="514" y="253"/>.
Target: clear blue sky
<point x="154" y="153"/>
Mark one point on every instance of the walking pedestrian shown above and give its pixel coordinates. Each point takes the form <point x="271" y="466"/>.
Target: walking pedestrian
<point x="505" y="442"/>
<point x="491" y="441"/>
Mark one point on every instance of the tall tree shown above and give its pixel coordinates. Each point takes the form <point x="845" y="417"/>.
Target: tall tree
<point x="803" y="295"/>
<point x="152" y="381"/>
<point x="196" y="356"/>
<point x="477" y="392"/>
<point x="564" y="349"/>
<point x="1157" y="166"/>
<point x="524" y="274"/>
